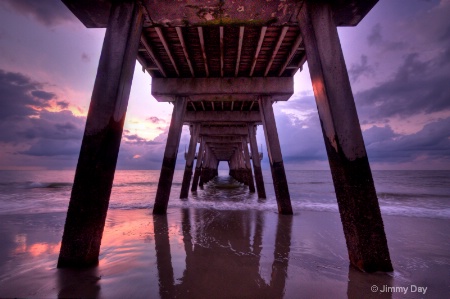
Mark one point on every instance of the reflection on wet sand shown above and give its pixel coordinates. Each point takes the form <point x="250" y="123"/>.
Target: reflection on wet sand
<point x="223" y="253"/>
<point x="206" y="253"/>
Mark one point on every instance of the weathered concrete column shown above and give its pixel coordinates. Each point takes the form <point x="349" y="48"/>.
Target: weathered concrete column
<point x="170" y="156"/>
<point x="251" y="184"/>
<point x="94" y="176"/>
<point x="352" y="177"/>
<point x="189" y="161"/>
<point x="256" y="162"/>
<point x="275" y="158"/>
<point x="205" y="165"/>
<point x="198" y="165"/>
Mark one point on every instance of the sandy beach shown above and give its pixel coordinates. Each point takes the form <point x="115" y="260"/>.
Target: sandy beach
<point x="205" y="253"/>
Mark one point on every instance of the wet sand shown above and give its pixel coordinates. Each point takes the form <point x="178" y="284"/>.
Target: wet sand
<point x="201" y="253"/>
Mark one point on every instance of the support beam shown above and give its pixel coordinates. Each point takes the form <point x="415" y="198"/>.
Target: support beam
<point x="189" y="161"/>
<point x="198" y="165"/>
<point x="294" y="49"/>
<point x="275" y="158"/>
<point x="166" y="47"/>
<point x="170" y="157"/>
<point x="238" y="60"/>
<point x="223" y="131"/>
<point x="193" y="106"/>
<point x="248" y="166"/>
<point x="221" y="50"/>
<point x="352" y="177"/>
<point x="94" y="175"/>
<point x="183" y="45"/>
<point x="152" y="55"/>
<point x="202" y="45"/>
<point x="277" y="47"/>
<point x="256" y="162"/>
<point x="222" y="116"/>
<point x="209" y="89"/>
<point x="258" y="48"/>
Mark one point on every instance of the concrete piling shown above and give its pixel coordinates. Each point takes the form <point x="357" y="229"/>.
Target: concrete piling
<point x="189" y="161"/>
<point x="352" y="177"/>
<point x="275" y="158"/>
<point x="94" y="175"/>
<point x="170" y="156"/>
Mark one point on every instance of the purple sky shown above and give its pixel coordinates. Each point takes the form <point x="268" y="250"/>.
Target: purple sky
<point x="398" y="59"/>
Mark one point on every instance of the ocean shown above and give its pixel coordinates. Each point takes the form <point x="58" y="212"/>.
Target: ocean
<point x="223" y="242"/>
<point x="402" y="193"/>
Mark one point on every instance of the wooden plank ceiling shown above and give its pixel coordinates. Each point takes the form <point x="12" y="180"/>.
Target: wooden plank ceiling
<point x="221" y="51"/>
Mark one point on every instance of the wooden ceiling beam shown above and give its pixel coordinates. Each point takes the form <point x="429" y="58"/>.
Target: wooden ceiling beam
<point x="241" y="38"/>
<point x="166" y="47"/>
<point x="277" y="47"/>
<point x="152" y="55"/>
<point x="294" y="50"/>
<point x="251" y="106"/>
<point x="258" y="48"/>
<point x="202" y="44"/>
<point x="193" y="106"/>
<point x="221" y="50"/>
<point x="183" y="45"/>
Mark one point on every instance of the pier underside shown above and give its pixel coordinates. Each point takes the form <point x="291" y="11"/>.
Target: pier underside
<point x="223" y="65"/>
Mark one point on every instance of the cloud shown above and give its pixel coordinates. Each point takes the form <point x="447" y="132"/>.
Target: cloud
<point x="43" y="95"/>
<point x="375" y="37"/>
<point x="416" y="87"/>
<point x="47" y="12"/>
<point x="85" y="57"/>
<point x="28" y="129"/>
<point x="362" y="69"/>
<point x="16" y="95"/>
<point x="433" y="141"/>
<point x="155" y="120"/>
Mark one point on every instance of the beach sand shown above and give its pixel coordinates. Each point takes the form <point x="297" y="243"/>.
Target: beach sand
<point x="203" y="253"/>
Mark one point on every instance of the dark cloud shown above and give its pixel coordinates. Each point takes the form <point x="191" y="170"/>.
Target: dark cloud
<point x="375" y="37"/>
<point x="46" y="12"/>
<point x="51" y="148"/>
<point x="85" y="57"/>
<point x="362" y="69"/>
<point x="16" y="96"/>
<point x="28" y="128"/>
<point x="155" y="120"/>
<point x="63" y="104"/>
<point x="137" y="140"/>
<point x="417" y="87"/>
<point x="44" y="95"/>
<point x="433" y="141"/>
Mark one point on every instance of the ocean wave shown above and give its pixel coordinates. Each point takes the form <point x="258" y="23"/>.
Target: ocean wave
<point x="51" y="185"/>
<point x="400" y="196"/>
<point x="271" y="205"/>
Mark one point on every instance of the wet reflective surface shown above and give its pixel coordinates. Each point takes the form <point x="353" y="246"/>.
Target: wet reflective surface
<point x="206" y="253"/>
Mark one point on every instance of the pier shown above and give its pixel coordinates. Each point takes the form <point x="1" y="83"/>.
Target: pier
<point x="223" y="65"/>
